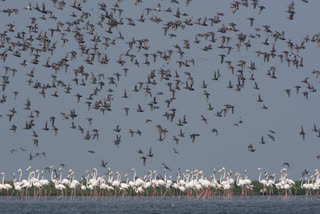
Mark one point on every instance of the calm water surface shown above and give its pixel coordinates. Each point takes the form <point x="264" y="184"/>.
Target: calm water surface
<point x="254" y="205"/>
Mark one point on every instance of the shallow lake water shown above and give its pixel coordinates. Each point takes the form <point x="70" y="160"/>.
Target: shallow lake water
<point x="168" y="205"/>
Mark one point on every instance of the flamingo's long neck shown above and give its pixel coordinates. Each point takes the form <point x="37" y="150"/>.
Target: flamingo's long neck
<point x="150" y="176"/>
<point x="155" y="175"/>
<point x="228" y="177"/>
<point x="29" y="176"/>
<point x="3" y="178"/>
<point x="95" y="174"/>
<point x="33" y="177"/>
<point x="109" y="178"/>
<point x="260" y="176"/>
<point x="52" y="175"/>
<point x="317" y="177"/>
<point x="281" y="176"/>
<point x="87" y="180"/>
<point x="190" y="176"/>
<point x="134" y="176"/>
<point x="238" y="179"/>
<point x="202" y="175"/>
<point x="20" y="176"/>
<point x="245" y="174"/>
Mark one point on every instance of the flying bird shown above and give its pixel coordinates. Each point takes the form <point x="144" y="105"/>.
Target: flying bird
<point x="104" y="164"/>
<point x="251" y="148"/>
<point x="302" y="133"/>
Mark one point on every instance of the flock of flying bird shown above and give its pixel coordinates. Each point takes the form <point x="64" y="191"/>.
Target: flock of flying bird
<point x="89" y="42"/>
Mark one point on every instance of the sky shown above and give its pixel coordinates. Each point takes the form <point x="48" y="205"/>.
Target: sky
<point x="229" y="149"/>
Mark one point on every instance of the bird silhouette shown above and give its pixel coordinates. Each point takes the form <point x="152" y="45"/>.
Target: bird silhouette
<point x="302" y="133"/>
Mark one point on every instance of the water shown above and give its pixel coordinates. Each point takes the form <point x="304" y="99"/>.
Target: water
<point x="254" y="205"/>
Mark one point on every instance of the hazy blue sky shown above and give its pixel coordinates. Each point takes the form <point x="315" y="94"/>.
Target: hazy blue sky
<point x="229" y="149"/>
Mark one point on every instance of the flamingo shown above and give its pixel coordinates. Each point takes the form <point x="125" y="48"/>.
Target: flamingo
<point x="83" y="187"/>
<point x="162" y="183"/>
<point x="17" y="185"/>
<point x="154" y="183"/>
<point x="44" y="183"/>
<point x="317" y="181"/>
<point x="205" y="185"/>
<point x="36" y="183"/>
<point x="214" y="183"/>
<point x="148" y="183"/>
<point x="93" y="182"/>
<point x="65" y="181"/>
<point x="247" y="180"/>
<point x="89" y="186"/>
<point x="263" y="182"/>
<point x="116" y="183"/>
<point x="307" y="187"/>
<point x="136" y="182"/>
<point x="189" y="182"/>
<point x="26" y="184"/>
<point x="139" y="181"/>
<point x="242" y="183"/>
<point x="139" y="191"/>
<point x="124" y="186"/>
<point x="133" y="182"/>
<point x="176" y="184"/>
<point x="225" y="183"/>
<point x="7" y="187"/>
<point x="169" y="183"/>
<point x="57" y="183"/>
<point x="73" y="185"/>
<point x="102" y="186"/>
<point x="271" y="183"/>
<point x="59" y="187"/>
<point x="182" y="182"/>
